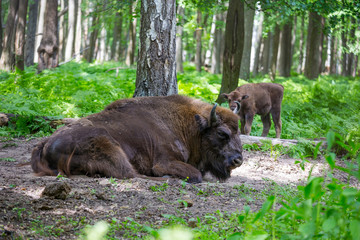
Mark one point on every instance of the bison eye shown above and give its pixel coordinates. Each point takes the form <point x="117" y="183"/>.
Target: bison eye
<point x="223" y="135"/>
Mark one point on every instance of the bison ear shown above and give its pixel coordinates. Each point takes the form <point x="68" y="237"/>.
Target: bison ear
<point x="225" y="95"/>
<point x="201" y="122"/>
<point x="244" y="97"/>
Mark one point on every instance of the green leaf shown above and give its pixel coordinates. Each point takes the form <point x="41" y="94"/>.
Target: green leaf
<point x="258" y="235"/>
<point x="307" y="229"/>
<point x="234" y="236"/>
<point x="329" y="224"/>
<point x="265" y="208"/>
<point x="330" y="137"/>
<point x="355" y="229"/>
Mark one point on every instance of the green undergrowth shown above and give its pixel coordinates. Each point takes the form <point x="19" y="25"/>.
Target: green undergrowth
<point x="310" y="107"/>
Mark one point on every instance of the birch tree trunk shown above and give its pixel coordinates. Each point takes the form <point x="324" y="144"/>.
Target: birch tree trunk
<point x="216" y="51"/>
<point x="20" y="35"/>
<point x="179" y="35"/>
<point x="77" y="45"/>
<point x="258" y="41"/>
<point x="198" y="32"/>
<point x="234" y="45"/>
<point x="62" y="32"/>
<point x="313" y="47"/>
<point x="48" y="49"/>
<point x="70" y="31"/>
<point x="249" y="22"/>
<point x="156" y="68"/>
<point x="7" y="60"/>
<point x="30" y="33"/>
<point x="265" y="58"/>
<point x="39" y="28"/>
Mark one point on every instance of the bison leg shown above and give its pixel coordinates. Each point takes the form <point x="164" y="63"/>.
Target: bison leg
<point x="266" y="123"/>
<point x="277" y="122"/>
<point x="248" y="123"/>
<point x="177" y="169"/>
<point x="242" y="121"/>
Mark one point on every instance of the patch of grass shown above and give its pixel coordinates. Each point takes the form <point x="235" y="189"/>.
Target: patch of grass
<point x="159" y="188"/>
<point x="7" y="160"/>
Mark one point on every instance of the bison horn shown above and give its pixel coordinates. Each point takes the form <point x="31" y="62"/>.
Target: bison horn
<point x="238" y="106"/>
<point x="213" y="117"/>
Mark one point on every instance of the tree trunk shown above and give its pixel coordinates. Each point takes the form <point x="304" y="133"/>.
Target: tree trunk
<point x="62" y="27"/>
<point x="20" y="35"/>
<point x="179" y="36"/>
<point x="7" y="60"/>
<point x="198" y="33"/>
<point x="116" y="36"/>
<point x="130" y="54"/>
<point x="344" y="57"/>
<point x="39" y="28"/>
<point x="156" y="68"/>
<point x="285" y="52"/>
<point x="234" y="45"/>
<point x="275" y="50"/>
<point x="70" y="31"/>
<point x="216" y="51"/>
<point x="94" y="34"/>
<point x="30" y="33"/>
<point x="77" y="45"/>
<point x="265" y="58"/>
<point x="101" y="56"/>
<point x="1" y="31"/>
<point x="333" y="54"/>
<point x="258" y="41"/>
<point x="48" y="49"/>
<point x="313" y="46"/>
<point x="249" y="13"/>
<point x="324" y="54"/>
<point x="351" y="55"/>
<point x="301" y="46"/>
<point x="208" y="53"/>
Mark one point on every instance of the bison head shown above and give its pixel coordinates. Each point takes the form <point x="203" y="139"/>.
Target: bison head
<point x="234" y="98"/>
<point x="221" y="149"/>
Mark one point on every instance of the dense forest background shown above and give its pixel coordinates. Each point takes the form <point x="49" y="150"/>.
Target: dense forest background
<point x="279" y="37"/>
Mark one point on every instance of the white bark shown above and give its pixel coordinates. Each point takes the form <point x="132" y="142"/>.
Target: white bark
<point x="40" y="28"/>
<point x="78" y="32"/>
<point x="71" y="31"/>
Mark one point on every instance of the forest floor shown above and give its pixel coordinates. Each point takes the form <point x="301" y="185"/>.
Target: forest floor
<point x="26" y="213"/>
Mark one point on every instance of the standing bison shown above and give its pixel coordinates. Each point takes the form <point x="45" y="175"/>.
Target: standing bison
<point x="257" y="98"/>
<point x="151" y="136"/>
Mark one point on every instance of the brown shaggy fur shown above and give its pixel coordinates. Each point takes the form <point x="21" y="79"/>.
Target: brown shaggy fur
<point x="151" y="136"/>
<point x="258" y="98"/>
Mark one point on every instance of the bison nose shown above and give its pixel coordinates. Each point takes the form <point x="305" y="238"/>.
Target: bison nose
<point x="236" y="161"/>
<point x="233" y="107"/>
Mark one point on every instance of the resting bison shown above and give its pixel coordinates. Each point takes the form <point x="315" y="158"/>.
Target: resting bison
<point x="151" y="136"/>
<point x="257" y="98"/>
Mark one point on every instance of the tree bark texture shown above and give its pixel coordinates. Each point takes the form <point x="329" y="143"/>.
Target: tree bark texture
<point x="39" y="28"/>
<point x="198" y="33"/>
<point x="48" y="49"/>
<point x="275" y="50"/>
<point x="70" y="31"/>
<point x="313" y="46"/>
<point x="7" y="60"/>
<point x="233" y="48"/>
<point x="286" y="50"/>
<point x="352" y="39"/>
<point x="258" y="41"/>
<point x="179" y="36"/>
<point x="301" y="46"/>
<point x="77" y="44"/>
<point x="156" y="68"/>
<point x="62" y="31"/>
<point x="94" y="34"/>
<point x="31" y="32"/>
<point x="20" y="35"/>
<point x="130" y="54"/>
<point x="249" y="13"/>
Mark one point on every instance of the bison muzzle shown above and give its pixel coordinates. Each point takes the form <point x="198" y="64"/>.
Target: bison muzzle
<point x="257" y="98"/>
<point x="146" y="136"/>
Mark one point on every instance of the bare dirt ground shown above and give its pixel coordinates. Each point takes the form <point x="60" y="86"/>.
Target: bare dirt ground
<point x="26" y="213"/>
